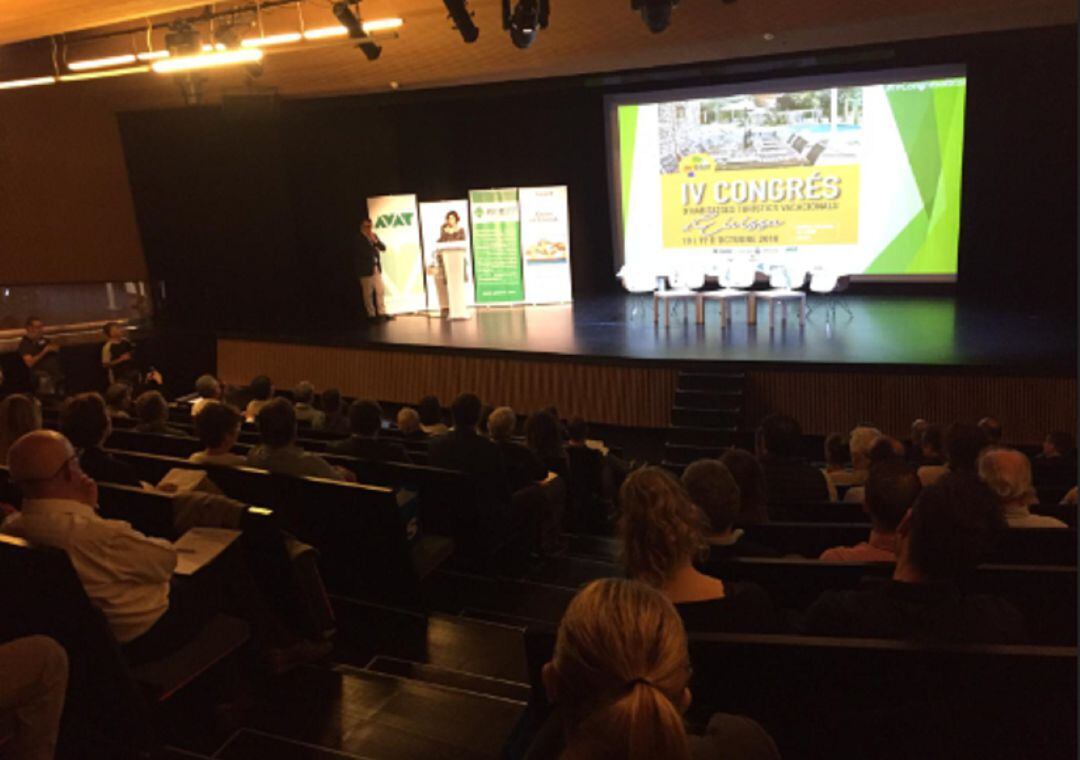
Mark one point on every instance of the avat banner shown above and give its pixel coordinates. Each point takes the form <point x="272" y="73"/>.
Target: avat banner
<point x="396" y="222"/>
<point x="496" y="236"/>
<point x="545" y="244"/>
<point x="444" y="226"/>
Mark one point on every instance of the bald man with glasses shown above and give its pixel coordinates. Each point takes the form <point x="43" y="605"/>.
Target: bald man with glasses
<point x="125" y="574"/>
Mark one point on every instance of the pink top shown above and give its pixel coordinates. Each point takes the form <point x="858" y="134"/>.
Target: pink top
<point x="880" y="548"/>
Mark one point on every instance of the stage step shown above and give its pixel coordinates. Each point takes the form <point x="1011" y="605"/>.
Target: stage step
<point x="723" y="419"/>
<point x="368" y="714"/>
<point x="711" y="381"/>
<point x="451" y="679"/>
<point x="439" y="640"/>
<point x="700" y="399"/>
<point x="710" y="436"/>
<point x="682" y="453"/>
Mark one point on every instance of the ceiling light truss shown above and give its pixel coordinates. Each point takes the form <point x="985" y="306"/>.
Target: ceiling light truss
<point x="226" y="29"/>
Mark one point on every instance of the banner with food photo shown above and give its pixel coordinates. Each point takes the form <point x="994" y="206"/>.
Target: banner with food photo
<point x="545" y="244"/>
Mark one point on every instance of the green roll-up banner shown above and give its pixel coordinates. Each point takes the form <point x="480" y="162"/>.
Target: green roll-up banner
<point x="496" y="239"/>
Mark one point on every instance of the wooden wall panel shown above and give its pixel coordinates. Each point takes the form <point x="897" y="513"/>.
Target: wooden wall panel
<point x="826" y="402"/>
<point x="823" y="401"/>
<point x="601" y="393"/>
<point x="66" y="211"/>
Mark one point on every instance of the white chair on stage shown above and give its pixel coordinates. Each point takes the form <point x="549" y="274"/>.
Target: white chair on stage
<point x="682" y="291"/>
<point x="783" y="282"/>
<point x="830" y="285"/>
<point x="735" y="283"/>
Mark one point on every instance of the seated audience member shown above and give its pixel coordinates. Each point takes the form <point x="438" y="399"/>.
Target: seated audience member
<point x="118" y="401"/>
<point x="19" y="415"/>
<point x="523" y="467"/>
<point x="218" y="428"/>
<point x="408" y="424"/>
<point x="619" y="678"/>
<point x="963" y="442"/>
<point x="335" y="420"/>
<point x="431" y="417"/>
<point x="1058" y="445"/>
<point x="932" y="455"/>
<point x="42" y="357"/>
<point x="991" y="429"/>
<point x="750" y="478"/>
<point x="118" y="356"/>
<point x="614" y="470"/>
<point x="890" y="492"/>
<point x="464" y="449"/>
<point x="1056" y="465"/>
<point x="884" y="449"/>
<point x="125" y="574"/>
<point x="837" y="459"/>
<point x="365" y="417"/>
<point x="712" y="489"/>
<point x="788" y="477"/>
<point x="662" y="534"/>
<point x="261" y="390"/>
<point x="951" y="526"/>
<point x="485" y="413"/>
<point x="152" y="411"/>
<point x="914" y="441"/>
<point x="278" y="451"/>
<point x="32" y="694"/>
<point x="1008" y="473"/>
<point x="304" y="405"/>
<point x="860" y="440"/>
<point x="209" y="389"/>
<point x="542" y="437"/>
<point x="84" y="421"/>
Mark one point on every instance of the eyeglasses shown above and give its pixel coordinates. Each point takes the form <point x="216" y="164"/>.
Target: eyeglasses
<point x="59" y="469"/>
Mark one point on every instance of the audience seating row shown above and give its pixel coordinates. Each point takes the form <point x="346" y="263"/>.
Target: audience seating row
<point x="824" y="697"/>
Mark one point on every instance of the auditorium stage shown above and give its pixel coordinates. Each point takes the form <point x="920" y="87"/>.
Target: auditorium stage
<point x="896" y="358"/>
<point x="883" y="330"/>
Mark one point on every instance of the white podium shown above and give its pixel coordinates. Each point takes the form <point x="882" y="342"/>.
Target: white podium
<point x="454" y="266"/>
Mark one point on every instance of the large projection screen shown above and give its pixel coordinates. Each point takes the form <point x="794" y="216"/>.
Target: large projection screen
<point x="856" y="175"/>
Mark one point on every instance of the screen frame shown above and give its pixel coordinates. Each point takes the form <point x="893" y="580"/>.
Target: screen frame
<point x="890" y="75"/>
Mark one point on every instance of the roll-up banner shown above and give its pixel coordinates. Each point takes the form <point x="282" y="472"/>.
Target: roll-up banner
<point x="545" y="244"/>
<point x="396" y="222"/>
<point x="444" y="226"/>
<point x="496" y="236"/>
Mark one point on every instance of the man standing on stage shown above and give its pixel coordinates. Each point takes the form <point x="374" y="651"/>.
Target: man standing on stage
<point x="369" y="267"/>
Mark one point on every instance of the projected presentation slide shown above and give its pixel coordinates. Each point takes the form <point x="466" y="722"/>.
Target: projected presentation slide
<point x="859" y="179"/>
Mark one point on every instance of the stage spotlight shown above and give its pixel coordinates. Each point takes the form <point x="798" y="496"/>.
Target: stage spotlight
<point x="525" y="19"/>
<point x="656" y="13"/>
<point x="463" y="22"/>
<point x="352" y="22"/>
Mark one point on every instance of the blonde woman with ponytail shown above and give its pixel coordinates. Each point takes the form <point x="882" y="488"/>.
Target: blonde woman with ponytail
<point x="619" y="678"/>
<point x="663" y="534"/>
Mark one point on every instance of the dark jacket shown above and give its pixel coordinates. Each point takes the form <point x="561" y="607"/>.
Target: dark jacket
<point x="371" y="449"/>
<point x="367" y="255"/>
<point x="522" y="466"/>
<point x="744" y="608"/>
<point x="468" y="451"/>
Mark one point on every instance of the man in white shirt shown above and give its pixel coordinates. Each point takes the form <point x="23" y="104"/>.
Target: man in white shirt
<point x="125" y="574"/>
<point x="1008" y="473"/>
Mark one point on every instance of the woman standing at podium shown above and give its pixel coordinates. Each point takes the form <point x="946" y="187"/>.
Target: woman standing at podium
<point x="450" y="232"/>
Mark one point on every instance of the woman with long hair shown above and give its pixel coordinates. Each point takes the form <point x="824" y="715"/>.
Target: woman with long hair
<point x="619" y="677"/>
<point x="663" y="534"/>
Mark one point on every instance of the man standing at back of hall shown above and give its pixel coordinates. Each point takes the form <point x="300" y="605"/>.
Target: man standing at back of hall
<point x="368" y="248"/>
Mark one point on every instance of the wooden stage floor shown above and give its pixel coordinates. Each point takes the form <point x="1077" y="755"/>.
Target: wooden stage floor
<point x="929" y="331"/>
